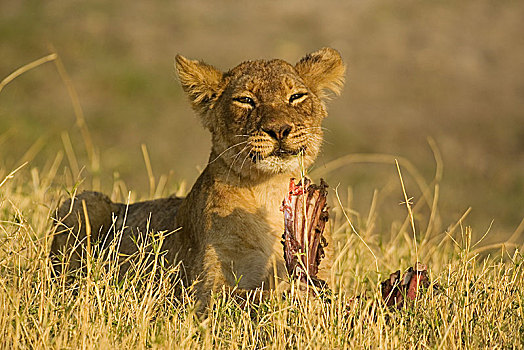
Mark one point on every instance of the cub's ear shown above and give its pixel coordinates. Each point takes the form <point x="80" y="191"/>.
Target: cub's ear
<point x="201" y="82"/>
<point x="322" y="70"/>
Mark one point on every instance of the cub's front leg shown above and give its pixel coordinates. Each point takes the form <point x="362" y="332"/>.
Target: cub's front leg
<point x="236" y="269"/>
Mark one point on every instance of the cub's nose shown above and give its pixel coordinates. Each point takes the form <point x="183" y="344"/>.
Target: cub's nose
<point x="278" y="131"/>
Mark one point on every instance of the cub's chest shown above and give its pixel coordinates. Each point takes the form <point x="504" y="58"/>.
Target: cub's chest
<point x="250" y="216"/>
<point x="268" y="201"/>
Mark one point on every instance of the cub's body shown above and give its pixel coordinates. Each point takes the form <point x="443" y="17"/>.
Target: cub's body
<point x="265" y="120"/>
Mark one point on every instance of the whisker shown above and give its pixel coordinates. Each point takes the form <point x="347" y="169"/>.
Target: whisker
<point x="227" y="149"/>
<point x="236" y="157"/>
<point x="327" y="142"/>
<point x="245" y="158"/>
<point x="314" y="128"/>
<point x="238" y="154"/>
<point x="309" y="134"/>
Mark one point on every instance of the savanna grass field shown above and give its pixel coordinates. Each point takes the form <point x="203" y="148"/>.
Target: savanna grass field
<point x="424" y="155"/>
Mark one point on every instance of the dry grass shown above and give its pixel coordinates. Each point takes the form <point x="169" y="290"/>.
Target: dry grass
<point x="481" y="302"/>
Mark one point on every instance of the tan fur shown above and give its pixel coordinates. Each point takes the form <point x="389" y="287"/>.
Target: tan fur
<point x="265" y="120"/>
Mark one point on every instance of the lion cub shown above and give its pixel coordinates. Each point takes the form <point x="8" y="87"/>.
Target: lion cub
<point x="265" y="121"/>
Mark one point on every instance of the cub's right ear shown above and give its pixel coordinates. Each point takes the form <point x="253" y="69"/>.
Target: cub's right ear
<point x="201" y="82"/>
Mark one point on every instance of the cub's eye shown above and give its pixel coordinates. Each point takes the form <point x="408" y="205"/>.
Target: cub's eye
<point x="245" y="100"/>
<point x="295" y="97"/>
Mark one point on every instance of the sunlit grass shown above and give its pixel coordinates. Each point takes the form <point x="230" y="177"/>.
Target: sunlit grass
<point x="480" y="302"/>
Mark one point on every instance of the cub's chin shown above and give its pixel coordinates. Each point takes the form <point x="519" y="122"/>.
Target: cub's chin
<point x="280" y="164"/>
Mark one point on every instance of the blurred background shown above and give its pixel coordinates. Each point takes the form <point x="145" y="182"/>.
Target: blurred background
<point x="448" y="71"/>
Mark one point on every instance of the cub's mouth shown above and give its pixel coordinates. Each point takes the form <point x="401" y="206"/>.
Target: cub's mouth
<point x="278" y="152"/>
<point x="284" y="152"/>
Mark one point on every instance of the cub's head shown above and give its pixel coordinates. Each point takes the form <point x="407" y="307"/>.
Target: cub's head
<point x="264" y="116"/>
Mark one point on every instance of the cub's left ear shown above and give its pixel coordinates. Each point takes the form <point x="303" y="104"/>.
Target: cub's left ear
<point x="322" y="70"/>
